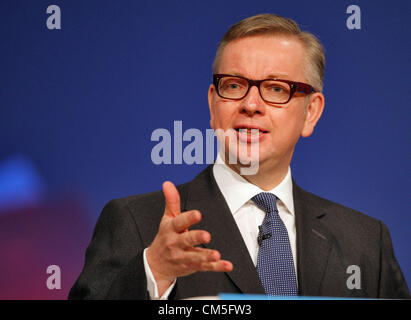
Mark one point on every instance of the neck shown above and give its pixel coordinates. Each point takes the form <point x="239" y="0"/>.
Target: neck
<point x="267" y="177"/>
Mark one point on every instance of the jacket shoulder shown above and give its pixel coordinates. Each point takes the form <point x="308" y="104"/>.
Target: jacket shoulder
<point x="152" y="200"/>
<point x="336" y="210"/>
<point x="340" y="219"/>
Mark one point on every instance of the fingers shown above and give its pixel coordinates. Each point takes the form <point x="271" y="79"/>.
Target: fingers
<point x="172" y="198"/>
<point x="217" y="266"/>
<point x="186" y="220"/>
<point x="172" y="209"/>
<point x="200" y="255"/>
<point x="193" y="238"/>
<point x="206" y="260"/>
<point x="173" y="252"/>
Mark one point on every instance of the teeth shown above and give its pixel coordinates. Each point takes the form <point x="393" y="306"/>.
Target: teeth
<point x="249" y="131"/>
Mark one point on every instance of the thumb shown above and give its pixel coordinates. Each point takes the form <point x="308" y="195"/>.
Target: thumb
<point x="172" y="198"/>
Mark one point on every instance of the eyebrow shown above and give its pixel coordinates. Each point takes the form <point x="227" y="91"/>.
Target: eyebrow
<point x="278" y="76"/>
<point x="270" y="76"/>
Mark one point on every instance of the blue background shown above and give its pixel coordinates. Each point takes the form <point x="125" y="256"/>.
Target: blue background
<point x="78" y="105"/>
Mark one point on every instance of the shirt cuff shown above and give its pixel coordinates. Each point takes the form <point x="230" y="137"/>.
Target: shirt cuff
<point x="151" y="282"/>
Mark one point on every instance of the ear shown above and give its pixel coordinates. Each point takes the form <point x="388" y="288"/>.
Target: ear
<point x="211" y="90"/>
<point x="313" y="113"/>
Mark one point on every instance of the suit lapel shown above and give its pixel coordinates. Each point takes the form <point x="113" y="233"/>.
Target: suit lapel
<point x="314" y="242"/>
<point x="205" y="196"/>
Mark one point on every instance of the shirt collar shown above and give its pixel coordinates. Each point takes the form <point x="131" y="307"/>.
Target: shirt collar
<point x="237" y="190"/>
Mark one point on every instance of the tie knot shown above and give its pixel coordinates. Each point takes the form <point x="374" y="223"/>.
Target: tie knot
<point x="266" y="201"/>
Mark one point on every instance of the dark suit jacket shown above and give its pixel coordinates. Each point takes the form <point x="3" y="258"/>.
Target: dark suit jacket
<point x="330" y="238"/>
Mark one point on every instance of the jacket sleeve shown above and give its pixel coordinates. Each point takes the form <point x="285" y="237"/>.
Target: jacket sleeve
<point x="392" y="284"/>
<point x="114" y="267"/>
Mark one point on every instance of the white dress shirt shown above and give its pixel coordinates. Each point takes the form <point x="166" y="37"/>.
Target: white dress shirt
<point x="238" y="193"/>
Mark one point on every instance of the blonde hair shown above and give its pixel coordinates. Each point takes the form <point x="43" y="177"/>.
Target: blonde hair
<point x="272" y="24"/>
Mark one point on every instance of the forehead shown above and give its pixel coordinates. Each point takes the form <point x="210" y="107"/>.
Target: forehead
<point x="260" y="57"/>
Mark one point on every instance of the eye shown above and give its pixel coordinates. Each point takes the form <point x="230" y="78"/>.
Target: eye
<point x="277" y="89"/>
<point x="232" y="85"/>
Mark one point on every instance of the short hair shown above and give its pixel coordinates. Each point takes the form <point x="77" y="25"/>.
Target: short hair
<point x="272" y="24"/>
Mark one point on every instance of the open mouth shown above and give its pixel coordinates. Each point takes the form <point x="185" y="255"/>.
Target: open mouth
<point x="250" y="131"/>
<point x="250" y="134"/>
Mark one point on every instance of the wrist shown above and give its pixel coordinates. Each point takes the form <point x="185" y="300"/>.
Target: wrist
<point x="160" y="278"/>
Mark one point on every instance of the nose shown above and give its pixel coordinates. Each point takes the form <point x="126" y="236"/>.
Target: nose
<point x="252" y="103"/>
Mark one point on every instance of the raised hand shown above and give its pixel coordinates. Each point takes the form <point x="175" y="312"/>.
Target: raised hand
<point x="173" y="252"/>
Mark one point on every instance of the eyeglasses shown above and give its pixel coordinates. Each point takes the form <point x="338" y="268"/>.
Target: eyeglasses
<point x="277" y="91"/>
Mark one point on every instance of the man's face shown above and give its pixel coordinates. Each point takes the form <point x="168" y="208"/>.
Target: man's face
<point x="262" y="57"/>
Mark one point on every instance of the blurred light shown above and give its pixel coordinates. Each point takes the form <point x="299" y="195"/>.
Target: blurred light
<point x="20" y="183"/>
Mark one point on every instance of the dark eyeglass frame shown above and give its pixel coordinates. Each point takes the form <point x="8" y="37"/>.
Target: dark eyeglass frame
<point x="294" y="86"/>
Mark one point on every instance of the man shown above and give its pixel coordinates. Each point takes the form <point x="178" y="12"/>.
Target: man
<point x="229" y="232"/>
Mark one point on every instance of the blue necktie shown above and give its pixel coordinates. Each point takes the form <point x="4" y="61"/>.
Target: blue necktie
<point x="275" y="264"/>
